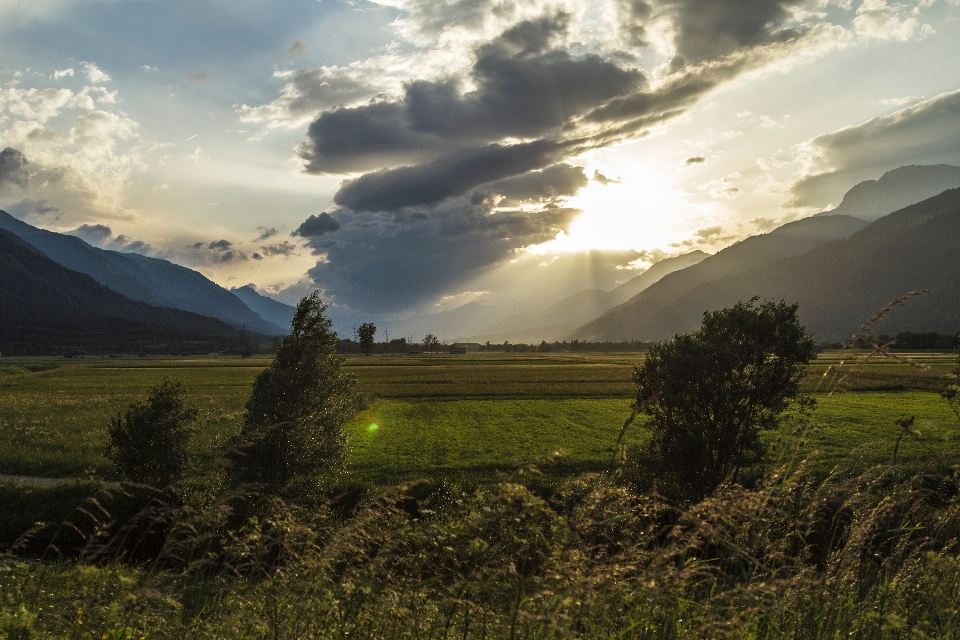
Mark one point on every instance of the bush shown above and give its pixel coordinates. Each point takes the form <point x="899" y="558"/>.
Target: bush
<point x="149" y="443"/>
<point x="708" y="394"/>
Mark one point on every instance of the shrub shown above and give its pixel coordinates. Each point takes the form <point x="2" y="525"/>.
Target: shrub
<point x="708" y="394"/>
<point x="148" y="444"/>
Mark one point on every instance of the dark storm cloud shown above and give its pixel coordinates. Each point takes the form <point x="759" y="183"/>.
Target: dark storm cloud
<point x="695" y="160"/>
<point x="927" y="133"/>
<point x="12" y="168"/>
<point x="444" y="159"/>
<point x="220" y="245"/>
<point x="538" y="186"/>
<point x="384" y="267"/>
<point x="708" y="29"/>
<point x="430" y="183"/>
<point x="317" y="226"/>
<point x="523" y="89"/>
<point x="633" y="15"/>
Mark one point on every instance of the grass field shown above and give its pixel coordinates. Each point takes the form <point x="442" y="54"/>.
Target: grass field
<point x="520" y="542"/>
<point x="442" y="415"/>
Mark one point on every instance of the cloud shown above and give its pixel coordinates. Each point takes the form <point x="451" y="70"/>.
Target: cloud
<point x="220" y="245"/>
<point x="307" y="93"/>
<point x="722" y="187"/>
<point x="704" y="30"/>
<point x="602" y="179"/>
<point x="297" y="49"/>
<point x="82" y="152"/>
<point x="466" y="132"/>
<point x="62" y="73"/>
<point x="193" y="78"/>
<point x="385" y="267"/>
<point x="927" y="133"/>
<point x="94" y="74"/>
<point x="520" y="87"/>
<point x="880" y="20"/>
<point x="546" y="185"/>
<point x="317" y="226"/>
<point x="430" y="183"/>
<point x="12" y="169"/>
<point x="282" y="248"/>
<point x="265" y="233"/>
<point x="101" y="235"/>
<point x="93" y="233"/>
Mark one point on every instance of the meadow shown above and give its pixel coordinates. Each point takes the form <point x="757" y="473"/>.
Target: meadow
<point x="439" y="415"/>
<point x="488" y="505"/>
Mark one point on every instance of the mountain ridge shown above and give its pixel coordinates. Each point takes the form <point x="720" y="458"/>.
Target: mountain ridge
<point x="151" y="280"/>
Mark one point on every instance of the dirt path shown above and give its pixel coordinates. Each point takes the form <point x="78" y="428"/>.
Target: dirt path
<point x="44" y="482"/>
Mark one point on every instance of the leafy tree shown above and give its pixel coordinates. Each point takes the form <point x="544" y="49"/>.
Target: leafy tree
<point x="148" y="444"/>
<point x="366" y="332"/>
<point x="708" y="394"/>
<point x="431" y="343"/>
<point x="295" y="415"/>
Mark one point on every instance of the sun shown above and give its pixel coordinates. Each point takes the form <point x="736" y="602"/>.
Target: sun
<point x="638" y="210"/>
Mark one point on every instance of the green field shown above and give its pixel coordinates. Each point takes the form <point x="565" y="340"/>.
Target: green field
<point x="509" y="537"/>
<point x="449" y="415"/>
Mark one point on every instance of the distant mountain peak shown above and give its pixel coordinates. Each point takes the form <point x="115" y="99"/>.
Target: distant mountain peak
<point x="896" y="189"/>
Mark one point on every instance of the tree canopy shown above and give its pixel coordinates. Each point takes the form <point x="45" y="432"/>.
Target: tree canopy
<point x="708" y="394"/>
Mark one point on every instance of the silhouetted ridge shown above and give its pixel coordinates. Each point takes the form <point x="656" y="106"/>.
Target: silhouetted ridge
<point x="838" y="284"/>
<point x="151" y="280"/>
<point x="46" y="308"/>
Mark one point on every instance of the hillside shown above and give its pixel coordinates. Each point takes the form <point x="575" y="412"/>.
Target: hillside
<point x="896" y="189"/>
<point x="841" y="283"/>
<point x="157" y="282"/>
<point x="639" y="317"/>
<point x="560" y="318"/>
<point x="47" y="308"/>
<point x="267" y="308"/>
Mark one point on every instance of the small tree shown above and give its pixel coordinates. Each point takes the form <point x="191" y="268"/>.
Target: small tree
<point x="430" y="343"/>
<point x="295" y="415"/>
<point x="365" y="333"/>
<point x="149" y="443"/>
<point x="708" y="394"/>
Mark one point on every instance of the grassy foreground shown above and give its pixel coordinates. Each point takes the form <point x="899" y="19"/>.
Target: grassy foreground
<point x="517" y="530"/>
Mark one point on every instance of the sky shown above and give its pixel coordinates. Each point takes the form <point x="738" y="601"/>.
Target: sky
<point x="412" y="156"/>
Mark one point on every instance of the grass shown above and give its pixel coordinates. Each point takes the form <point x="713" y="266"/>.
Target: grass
<point x="398" y="440"/>
<point x="847" y="545"/>
<point x="437" y="414"/>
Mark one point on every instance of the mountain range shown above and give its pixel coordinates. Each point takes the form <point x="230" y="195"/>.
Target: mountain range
<point x="839" y="284"/>
<point x="160" y="283"/>
<point x="47" y="308"/>
<point x="896" y="189"/>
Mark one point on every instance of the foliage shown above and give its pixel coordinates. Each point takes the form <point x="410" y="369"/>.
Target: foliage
<point x="708" y="394"/>
<point x="148" y="444"/>
<point x="365" y="334"/>
<point x="431" y="343"/>
<point x="864" y="555"/>
<point x="296" y="412"/>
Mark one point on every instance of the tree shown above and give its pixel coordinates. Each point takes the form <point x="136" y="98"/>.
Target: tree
<point x="708" y="394"/>
<point x="295" y="415"/>
<point x="148" y="444"/>
<point x="366" y="332"/>
<point x="430" y="342"/>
